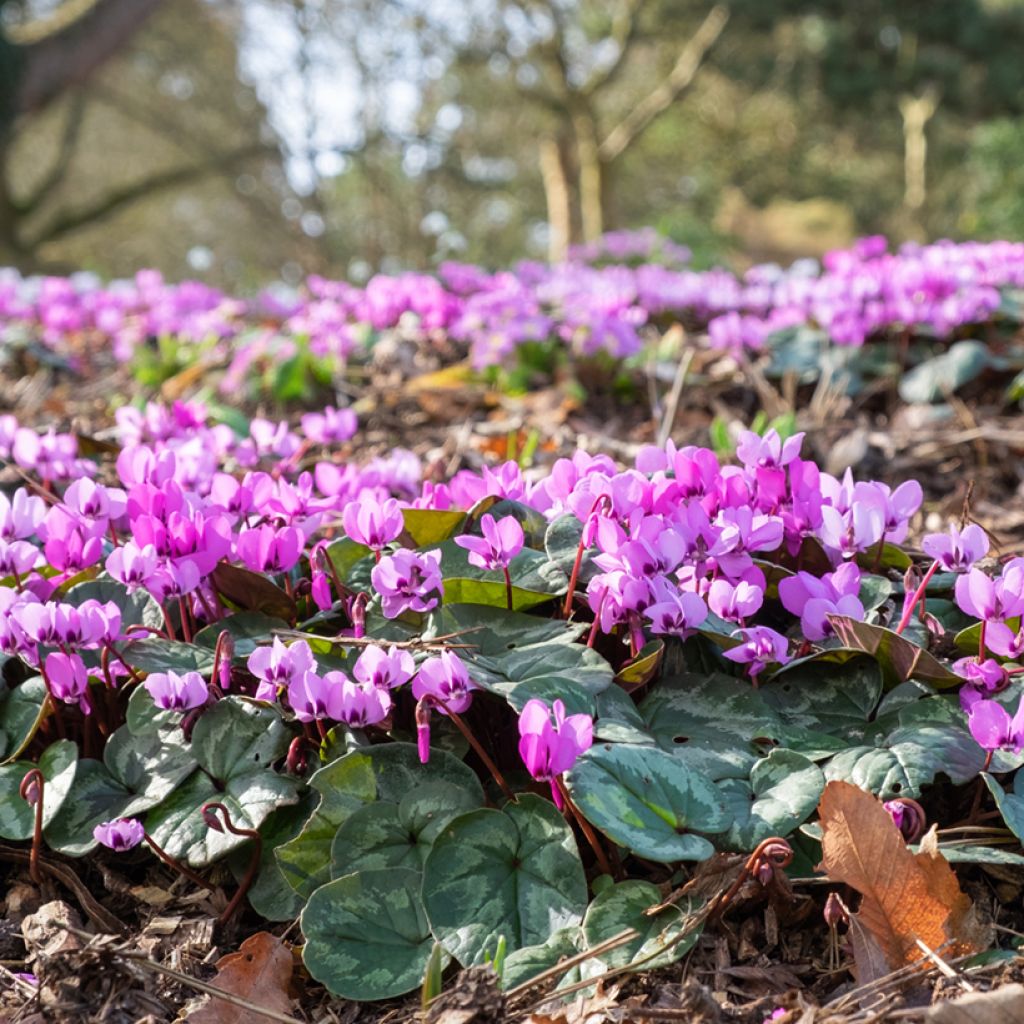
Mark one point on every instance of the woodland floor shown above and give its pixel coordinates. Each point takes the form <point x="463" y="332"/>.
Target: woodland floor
<point x="761" y="956"/>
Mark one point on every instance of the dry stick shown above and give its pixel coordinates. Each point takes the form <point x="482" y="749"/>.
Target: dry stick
<point x="575" y="813"/>
<point x="669" y="419"/>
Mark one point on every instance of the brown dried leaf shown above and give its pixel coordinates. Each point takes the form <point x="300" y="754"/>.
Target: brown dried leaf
<point x="1002" y="1006"/>
<point x="905" y="896"/>
<point x="260" y="972"/>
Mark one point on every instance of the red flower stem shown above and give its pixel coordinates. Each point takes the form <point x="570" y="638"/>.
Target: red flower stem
<point x="585" y="828"/>
<point x="475" y="744"/>
<point x="908" y="611"/>
<point x="577" y="564"/>
<point x="186" y="630"/>
<point x="172" y="862"/>
<point x="988" y="761"/>
<point x="54" y="703"/>
<point x="254" y="860"/>
<point x="592" y="636"/>
<point x="981" y="641"/>
<point x="132" y="674"/>
<point x="508" y="587"/>
<point x="36" y="776"/>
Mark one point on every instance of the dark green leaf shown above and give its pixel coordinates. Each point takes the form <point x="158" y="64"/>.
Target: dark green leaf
<point x="367" y="936"/>
<point x="514" y="872"/>
<point x="648" y="801"/>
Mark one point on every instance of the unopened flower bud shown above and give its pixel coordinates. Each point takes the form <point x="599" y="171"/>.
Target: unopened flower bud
<point x="835" y="913"/>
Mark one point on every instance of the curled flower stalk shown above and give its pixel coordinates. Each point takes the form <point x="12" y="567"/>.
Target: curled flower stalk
<point x="223" y="823"/>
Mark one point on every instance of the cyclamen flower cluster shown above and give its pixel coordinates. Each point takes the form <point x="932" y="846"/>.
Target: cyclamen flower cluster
<point x="364" y="699"/>
<point x="859" y="292"/>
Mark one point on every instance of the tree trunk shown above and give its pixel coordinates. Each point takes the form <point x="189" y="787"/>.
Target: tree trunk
<point x="556" y="195"/>
<point x="64" y="50"/>
<point x="916" y="112"/>
<point x="591" y="175"/>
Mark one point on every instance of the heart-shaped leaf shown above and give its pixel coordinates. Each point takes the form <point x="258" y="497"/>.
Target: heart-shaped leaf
<point x="234" y="742"/>
<point x="429" y="526"/>
<point x="664" y="937"/>
<point x="935" y="378"/>
<point x="58" y="764"/>
<point x="900" y="659"/>
<point x="154" y="654"/>
<point x="385" y="834"/>
<point x="514" y="872"/>
<point x="138" y="607"/>
<point x="387" y="773"/>
<point x="648" y="801"/>
<point x="528" y="962"/>
<point x="22" y="711"/>
<point x="910" y="757"/>
<point x="782" y="793"/>
<point x="367" y="936"/>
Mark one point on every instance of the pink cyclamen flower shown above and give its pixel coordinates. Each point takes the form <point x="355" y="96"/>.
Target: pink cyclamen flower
<point x="734" y="603"/>
<point x="990" y="599"/>
<point x="406" y="580"/>
<point x="675" y="612"/>
<point x="957" y="550"/>
<point x="550" y="741"/>
<point x="174" y="692"/>
<point x="760" y="648"/>
<point x="278" y="665"/>
<point x="386" y="669"/>
<point x="993" y="728"/>
<point x="500" y="543"/>
<point x="120" y="834"/>
<point x="361" y="704"/>
<point x="269" y="549"/>
<point x="445" y="678"/>
<point x="372" y="522"/>
<point x="68" y="678"/>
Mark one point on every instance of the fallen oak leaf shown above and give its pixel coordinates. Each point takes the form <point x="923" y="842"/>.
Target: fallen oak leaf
<point x="904" y="896"/>
<point x="260" y="971"/>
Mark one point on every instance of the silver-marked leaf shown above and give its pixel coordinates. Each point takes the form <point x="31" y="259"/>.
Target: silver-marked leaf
<point x="528" y="962"/>
<point x="782" y="792"/>
<point x="22" y="711"/>
<point x="909" y="758"/>
<point x="238" y="737"/>
<point x="386" y="772"/>
<point x="97" y="797"/>
<point x="648" y="801"/>
<point x="1010" y="805"/>
<point x="385" y="834"/>
<point x="514" y="872"/>
<point x="58" y="764"/>
<point x="935" y="378"/>
<point x="495" y="631"/>
<point x="177" y="824"/>
<point x="367" y="936"/>
<point x="664" y="937"/>
<point x="137" y="608"/>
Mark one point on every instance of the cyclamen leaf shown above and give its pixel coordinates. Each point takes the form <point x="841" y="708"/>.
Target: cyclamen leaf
<point x="58" y="764"/>
<point x="514" y="872"/>
<point x="648" y="801"/>
<point x="367" y="936"/>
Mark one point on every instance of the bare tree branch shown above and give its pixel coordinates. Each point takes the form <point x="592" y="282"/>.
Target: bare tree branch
<point x="61" y="165"/>
<point x="122" y="197"/>
<point x="624" y="30"/>
<point x="66" y="51"/>
<point x="639" y="119"/>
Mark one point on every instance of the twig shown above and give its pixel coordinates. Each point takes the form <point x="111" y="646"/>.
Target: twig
<point x="668" y="420"/>
<point x="941" y="964"/>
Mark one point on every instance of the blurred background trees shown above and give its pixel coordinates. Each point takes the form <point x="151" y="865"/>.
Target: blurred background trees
<point x="240" y="140"/>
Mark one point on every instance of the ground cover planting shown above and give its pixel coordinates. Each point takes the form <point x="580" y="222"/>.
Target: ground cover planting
<point x="947" y="312"/>
<point x="564" y="722"/>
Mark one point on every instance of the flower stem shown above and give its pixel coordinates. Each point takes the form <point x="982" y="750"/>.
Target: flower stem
<point x="908" y="610"/>
<point x="489" y="764"/>
<point x="34" y="776"/>
<point x="585" y="828"/>
<point x="508" y="587"/>
<point x="254" y="861"/>
<point x="172" y="862"/>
